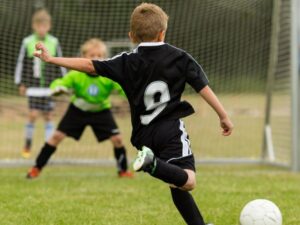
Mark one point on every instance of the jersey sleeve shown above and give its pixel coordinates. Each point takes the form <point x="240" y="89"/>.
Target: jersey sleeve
<point x="111" y="68"/>
<point x="195" y="75"/>
<point x="67" y="81"/>
<point x="119" y="89"/>
<point x="20" y="64"/>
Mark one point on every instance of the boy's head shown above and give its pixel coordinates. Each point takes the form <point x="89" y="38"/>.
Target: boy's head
<point x="41" y="22"/>
<point x="93" y="48"/>
<point x="148" y="23"/>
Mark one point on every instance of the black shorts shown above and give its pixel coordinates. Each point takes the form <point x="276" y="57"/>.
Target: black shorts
<point x="75" y="120"/>
<point x="170" y="142"/>
<point x="44" y="104"/>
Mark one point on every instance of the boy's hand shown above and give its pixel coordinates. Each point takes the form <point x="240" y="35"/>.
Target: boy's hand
<point x="227" y="126"/>
<point x="59" y="91"/>
<point x="22" y="90"/>
<point x="41" y="52"/>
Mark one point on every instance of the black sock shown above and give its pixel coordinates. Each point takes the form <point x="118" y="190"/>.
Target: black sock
<point x="169" y="173"/>
<point x="120" y="155"/>
<point x="44" y="155"/>
<point x="187" y="207"/>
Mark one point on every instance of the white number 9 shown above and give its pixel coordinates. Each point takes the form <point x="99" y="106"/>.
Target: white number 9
<point x="156" y="89"/>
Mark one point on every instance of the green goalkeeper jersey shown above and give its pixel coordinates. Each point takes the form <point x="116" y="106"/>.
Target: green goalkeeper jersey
<point x="89" y="93"/>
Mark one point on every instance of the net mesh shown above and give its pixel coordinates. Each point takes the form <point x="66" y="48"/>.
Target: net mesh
<point x="229" y="38"/>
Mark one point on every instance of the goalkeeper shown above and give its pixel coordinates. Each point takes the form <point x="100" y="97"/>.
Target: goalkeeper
<point x="90" y="105"/>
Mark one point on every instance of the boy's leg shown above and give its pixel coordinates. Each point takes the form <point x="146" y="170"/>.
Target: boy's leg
<point x="46" y="152"/>
<point x="183" y="179"/>
<point x="187" y="207"/>
<point x="120" y="156"/>
<point x="72" y="125"/>
<point x="49" y="126"/>
<point x="175" y="165"/>
<point x="29" y="131"/>
<point x="104" y="127"/>
<point x="169" y="173"/>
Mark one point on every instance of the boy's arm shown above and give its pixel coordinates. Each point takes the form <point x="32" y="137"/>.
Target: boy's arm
<point x="19" y="70"/>
<point x="63" y="85"/>
<point x="209" y="96"/>
<point x="79" y="64"/>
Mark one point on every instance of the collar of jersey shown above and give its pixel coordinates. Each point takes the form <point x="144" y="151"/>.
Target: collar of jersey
<point x="146" y="44"/>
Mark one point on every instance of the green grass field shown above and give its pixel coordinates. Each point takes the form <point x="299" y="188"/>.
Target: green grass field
<point x="94" y="195"/>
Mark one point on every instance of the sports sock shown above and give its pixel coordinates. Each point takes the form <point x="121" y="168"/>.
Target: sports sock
<point x="29" y="129"/>
<point x="169" y="173"/>
<point x="187" y="207"/>
<point x="121" y="158"/>
<point x="44" y="155"/>
<point x="49" y="128"/>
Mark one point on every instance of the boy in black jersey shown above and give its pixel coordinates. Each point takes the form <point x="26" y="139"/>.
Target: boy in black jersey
<point x="153" y="77"/>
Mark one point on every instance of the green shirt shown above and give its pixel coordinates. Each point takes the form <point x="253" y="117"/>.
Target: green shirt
<point x="90" y="93"/>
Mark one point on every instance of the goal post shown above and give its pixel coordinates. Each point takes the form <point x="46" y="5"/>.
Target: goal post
<point x="282" y="120"/>
<point x="295" y="73"/>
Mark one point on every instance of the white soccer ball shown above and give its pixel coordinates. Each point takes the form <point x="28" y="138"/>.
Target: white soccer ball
<point x="260" y="212"/>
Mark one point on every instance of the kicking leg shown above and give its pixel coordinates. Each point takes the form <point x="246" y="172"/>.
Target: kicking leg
<point x="180" y="180"/>
<point x="169" y="173"/>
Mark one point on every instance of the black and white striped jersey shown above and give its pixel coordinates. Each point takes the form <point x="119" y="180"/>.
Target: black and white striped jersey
<point x="31" y="71"/>
<point x="153" y="77"/>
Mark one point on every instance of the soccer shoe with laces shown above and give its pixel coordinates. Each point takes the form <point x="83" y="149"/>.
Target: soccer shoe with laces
<point x="34" y="172"/>
<point x="145" y="161"/>
<point x="127" y="174"/>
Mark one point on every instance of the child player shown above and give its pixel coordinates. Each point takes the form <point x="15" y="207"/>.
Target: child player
<point x="34" y="76"/>
<point x="153" y="77"/>
<point x="90" y="105"/>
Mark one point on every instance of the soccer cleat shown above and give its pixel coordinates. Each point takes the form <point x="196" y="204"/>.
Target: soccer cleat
<point x="34" y="172"/>
<point x="128" y="174"/>
<point x="145" y="160"/>
<point x="209" y="224"/>
<point x="25" y="153"/>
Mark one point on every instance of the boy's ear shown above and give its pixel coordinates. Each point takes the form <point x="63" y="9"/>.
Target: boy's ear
<point x="161" y="35"/>
<point x="132" y="39"/>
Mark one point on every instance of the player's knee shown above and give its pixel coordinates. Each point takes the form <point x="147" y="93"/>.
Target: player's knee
<point x="56" y="138"/>
<point x="117" y="141"/>
<point x="48" y="117"/>
<point x="32" y="116"/>
<point x="191" y="181"/>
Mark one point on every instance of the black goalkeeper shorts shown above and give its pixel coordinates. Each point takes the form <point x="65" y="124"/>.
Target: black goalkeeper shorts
<point x="75" y="120"/>
<point x="170" y="142"/>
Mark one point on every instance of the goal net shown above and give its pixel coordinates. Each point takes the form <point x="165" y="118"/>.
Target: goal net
<point x="231" y="39"/>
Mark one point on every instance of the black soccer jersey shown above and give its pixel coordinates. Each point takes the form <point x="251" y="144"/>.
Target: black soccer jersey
<point x="153" y="77"/>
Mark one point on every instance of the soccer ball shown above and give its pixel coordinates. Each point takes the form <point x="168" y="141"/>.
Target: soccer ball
<point x="260" y="212"/>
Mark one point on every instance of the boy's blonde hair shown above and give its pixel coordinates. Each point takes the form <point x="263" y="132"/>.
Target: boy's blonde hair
<point x="147" y="21"/>
<point x="93" y="43"/>
<point x="41" y="16"/>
